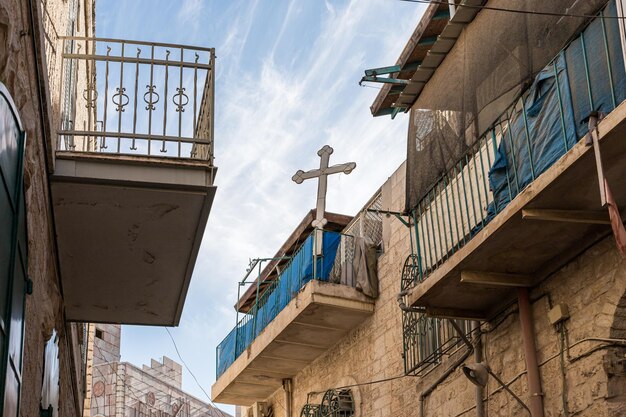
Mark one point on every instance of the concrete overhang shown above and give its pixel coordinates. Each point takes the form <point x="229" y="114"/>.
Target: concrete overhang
<point x="552" y="221"/>
<point x="128" y="233"/>
<point x="313" y="322"/>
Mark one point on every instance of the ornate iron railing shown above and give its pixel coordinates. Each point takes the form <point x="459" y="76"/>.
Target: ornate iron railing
<point x="426" y="340"/>
<point x="540" y="126"/>
<point x="137" y="98"/>
<point x="335" y="403"/>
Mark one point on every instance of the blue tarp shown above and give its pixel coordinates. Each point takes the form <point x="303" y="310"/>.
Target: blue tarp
<point x="294" y="277"/>
<point x="551" y="116"/>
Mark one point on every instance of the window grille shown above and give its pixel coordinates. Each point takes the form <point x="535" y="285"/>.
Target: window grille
<point x="426" y="340"/>
<point x="335" y="403"/>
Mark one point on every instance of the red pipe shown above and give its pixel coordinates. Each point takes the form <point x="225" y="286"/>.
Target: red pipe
<point x="530" y="354"/>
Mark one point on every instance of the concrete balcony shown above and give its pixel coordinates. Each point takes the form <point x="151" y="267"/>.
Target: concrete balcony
<point x="313" y="322"/>
<point x="486" y="228"/>
<point x="553" y="220"/>
<point x="132" y="186"/>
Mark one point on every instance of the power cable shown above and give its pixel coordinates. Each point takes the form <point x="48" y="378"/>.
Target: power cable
<point x="505" y="9"/>
<point x="377" y="381"/>
<point x="192" y="374"/>
<point x="193" y="409"/>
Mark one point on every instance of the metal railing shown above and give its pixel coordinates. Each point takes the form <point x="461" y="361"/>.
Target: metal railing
<point x="462" y="201"/>
<point x="137" y="98"/>
<point x="426" y="340"/>
<point x="302" y="267"/>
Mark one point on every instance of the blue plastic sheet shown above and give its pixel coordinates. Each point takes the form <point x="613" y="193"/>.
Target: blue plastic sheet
<point x="275" y="298"/>
<point x="588" y="75"/>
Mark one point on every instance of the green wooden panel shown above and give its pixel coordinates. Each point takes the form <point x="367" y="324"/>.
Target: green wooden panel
<point x="13" y="254"/>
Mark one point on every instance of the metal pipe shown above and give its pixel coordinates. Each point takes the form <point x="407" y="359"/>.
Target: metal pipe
<point x="287" y="386"/>
<point x="404" y="307"/>
<point x="530" y="353"/>
<point x="478" y="357"/>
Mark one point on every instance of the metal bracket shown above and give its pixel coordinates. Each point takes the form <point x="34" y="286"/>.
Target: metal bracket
<point x="396" y="214"/>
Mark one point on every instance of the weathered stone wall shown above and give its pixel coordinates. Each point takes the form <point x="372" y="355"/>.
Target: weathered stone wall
<point x="67" y="18"/>
<point x="106" y="341"/>
<point x="592" y="286"/>
<point x="122" y="389"/>
<point x="21" y="54"/>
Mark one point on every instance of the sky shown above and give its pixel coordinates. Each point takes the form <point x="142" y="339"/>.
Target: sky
<point x="287" y="84"/>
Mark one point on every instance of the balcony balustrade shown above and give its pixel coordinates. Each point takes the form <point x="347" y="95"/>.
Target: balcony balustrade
<point x="137" y="98"/>
<point x="133" y="177"/>
<point x="295" y="319"/>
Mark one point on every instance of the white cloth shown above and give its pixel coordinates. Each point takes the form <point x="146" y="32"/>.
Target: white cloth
<point x="50" y="387"/>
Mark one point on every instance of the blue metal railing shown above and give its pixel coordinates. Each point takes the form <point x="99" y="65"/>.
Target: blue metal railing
<point x="530" y="136"/>
<point x="303" y="267"/>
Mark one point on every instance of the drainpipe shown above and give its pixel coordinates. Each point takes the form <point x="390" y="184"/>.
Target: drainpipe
<point x="287" y="386"/>
<point x="478" y="357"/>
<point x="530" y="354"/>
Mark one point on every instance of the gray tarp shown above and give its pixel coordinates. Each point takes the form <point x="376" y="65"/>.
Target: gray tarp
<point x="364" y="267"/>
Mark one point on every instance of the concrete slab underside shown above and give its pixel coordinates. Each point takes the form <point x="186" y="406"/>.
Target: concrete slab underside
<point x="128" y="234"/>
<point x="511" y="244"/>
<point x="308" y="326"/>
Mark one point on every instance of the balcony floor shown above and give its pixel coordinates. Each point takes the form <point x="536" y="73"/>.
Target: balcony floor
<point x="128" y="233"/>
<point x="314" y="321"/>
<point x="510" y="244"/>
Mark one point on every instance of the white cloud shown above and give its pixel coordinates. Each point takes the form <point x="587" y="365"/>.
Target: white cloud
<point x="190" y="12"/>
<point x="272" y="117"/>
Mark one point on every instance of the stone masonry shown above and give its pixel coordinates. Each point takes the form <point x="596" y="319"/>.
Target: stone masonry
<point x="123" y="389"/>
<point x="27" y="49"/>
<point x="593" y="286"/>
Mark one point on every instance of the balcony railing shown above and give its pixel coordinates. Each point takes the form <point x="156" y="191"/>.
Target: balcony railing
<point x="529" y="137"/>
<point x="303" y="267"/>
<point x="137" y="98"/>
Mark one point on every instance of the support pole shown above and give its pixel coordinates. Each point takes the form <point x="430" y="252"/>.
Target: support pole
<point x="530" y="354"/>
<point x="478" y="357"/>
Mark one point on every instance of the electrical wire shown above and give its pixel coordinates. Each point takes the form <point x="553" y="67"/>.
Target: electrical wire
<point x="132" y="390"/>
<point x="520" y="11"/>
<point x="378" y="381"/>
<point x="222" y="414"/>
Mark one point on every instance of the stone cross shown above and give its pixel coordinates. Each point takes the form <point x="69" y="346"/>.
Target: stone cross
<point x="322" y="173"/>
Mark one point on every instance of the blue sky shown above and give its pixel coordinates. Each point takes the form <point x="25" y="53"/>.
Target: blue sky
<point x="287" y="83"/>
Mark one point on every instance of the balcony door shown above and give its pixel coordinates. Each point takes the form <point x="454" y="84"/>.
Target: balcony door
<point x="13" y="252"/>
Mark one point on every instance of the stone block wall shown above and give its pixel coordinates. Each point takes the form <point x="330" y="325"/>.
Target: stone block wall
<point x="122" y="389"/>
<point x="22" y="57"/>
<point x="593" y="286"/>
<point x="106" y="340"/>
<point x="167" y="370"/>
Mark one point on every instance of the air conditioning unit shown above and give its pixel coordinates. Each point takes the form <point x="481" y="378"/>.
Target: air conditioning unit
<point x="258" y="409"/>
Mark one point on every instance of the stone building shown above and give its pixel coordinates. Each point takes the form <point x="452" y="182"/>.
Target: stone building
<point x="92" y="197"/>
<point x="500" y="263"/>
<point x="123" y="389"/>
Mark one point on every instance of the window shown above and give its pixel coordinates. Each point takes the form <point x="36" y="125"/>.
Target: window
<point x="13" y="253"/>
<point x="99" y="334"/>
